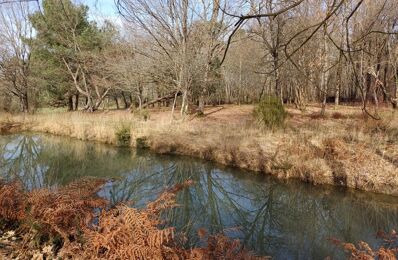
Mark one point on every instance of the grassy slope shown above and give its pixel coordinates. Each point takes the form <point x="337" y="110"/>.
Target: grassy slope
<point x="341" y="149"/>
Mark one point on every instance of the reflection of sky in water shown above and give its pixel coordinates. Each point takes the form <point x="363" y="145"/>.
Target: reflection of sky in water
<point x="285" y="220"/>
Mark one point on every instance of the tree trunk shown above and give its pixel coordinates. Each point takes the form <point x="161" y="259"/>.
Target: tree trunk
<point x="323" y="110"/>
<point x="76" y="105"/>
<point x="24" y="103"/>
<point x="117" y="102"/>
<point x="394" y="100"/>
<point x="174" y="105"/>
<point x="130" y="98"/>
<point x="367" y="87"/>
<point x="385" y="83"/>
<point x="89" y="104"/>
<point x="70" y="102"/>
<point x="339" y="81"/>
<point x="325" y="72"/>
<point x="337" y="96"/>
<point x="139" y="102"/>
<point x="278" y="91"/>
<point x="126" y="104"/>
<point x="261" y="93"/>
<point x="158" y="95"/>
<point x="376" y="100"/>
<point x="6" y="102"/>
<point x="184" y="104"/>
<point x="201" y="106"/>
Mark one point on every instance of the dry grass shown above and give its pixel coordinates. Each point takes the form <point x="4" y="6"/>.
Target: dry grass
<point x="99" y="127"/>
<point x="341" y="148"/>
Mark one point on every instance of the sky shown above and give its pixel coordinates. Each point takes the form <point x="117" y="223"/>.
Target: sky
<point x="100" y="10"/>
<point x="104" y="7"/>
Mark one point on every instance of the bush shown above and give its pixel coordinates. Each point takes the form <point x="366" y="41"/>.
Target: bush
<point x="270" y="112"/>
<point x="142" y="114"/>
<point x="123" y="135"/>
<point x="338" y="115"/>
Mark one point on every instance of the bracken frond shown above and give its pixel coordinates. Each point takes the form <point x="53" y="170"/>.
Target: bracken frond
<point x="77" y="216"/>
<point x="363" y="251"/>
<point x="12" y="202"/>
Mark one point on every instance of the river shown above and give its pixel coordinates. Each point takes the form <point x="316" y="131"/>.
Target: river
<point x="284" y="219"/>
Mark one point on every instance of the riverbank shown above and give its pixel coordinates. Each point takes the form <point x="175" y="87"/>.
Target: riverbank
<point x="341" y="149"/>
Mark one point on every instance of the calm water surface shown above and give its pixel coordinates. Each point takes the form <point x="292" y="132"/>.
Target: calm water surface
<point x="287" y="220"/>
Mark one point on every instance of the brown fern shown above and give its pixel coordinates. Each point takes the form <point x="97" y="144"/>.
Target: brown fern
<point x="121" y="232"/>
<point x="67" y="211"/>
<point x="362" y="251"/>
<point x="12" y="202"/>
<point x="221" y="247"/>
<point x="128" y="233"/>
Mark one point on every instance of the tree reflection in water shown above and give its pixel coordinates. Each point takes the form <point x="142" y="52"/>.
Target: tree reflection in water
<point x="19" y="160"/>
<point x="285" y="220"/>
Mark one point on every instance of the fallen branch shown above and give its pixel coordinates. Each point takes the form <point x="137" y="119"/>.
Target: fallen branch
<point x="168" y="96"/>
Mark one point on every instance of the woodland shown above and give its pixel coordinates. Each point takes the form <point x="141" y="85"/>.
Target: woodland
<point x="294" y="89"/>
<point x="195" y="53"/>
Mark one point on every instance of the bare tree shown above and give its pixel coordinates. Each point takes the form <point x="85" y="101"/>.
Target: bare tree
<point x="15" y="29"/>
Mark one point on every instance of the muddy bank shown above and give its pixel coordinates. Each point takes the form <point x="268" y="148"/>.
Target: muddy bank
<point x="9" y="128"/>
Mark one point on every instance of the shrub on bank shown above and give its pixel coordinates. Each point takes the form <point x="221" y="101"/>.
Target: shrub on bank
<point x="123" y="135"/>
<point x="270" y="113"/>
<point x="142" y="114"/>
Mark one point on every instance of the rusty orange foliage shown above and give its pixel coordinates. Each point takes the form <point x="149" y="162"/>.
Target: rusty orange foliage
<point x="362" y="251"/>
<point x="66" y="211"/>
<point x="221" y="247"/>
<point x="12" y="202"/>
<point x="120" y="232"/>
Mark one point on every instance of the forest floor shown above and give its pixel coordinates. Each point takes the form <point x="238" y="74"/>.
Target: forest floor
<point x="341" y="148"/>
